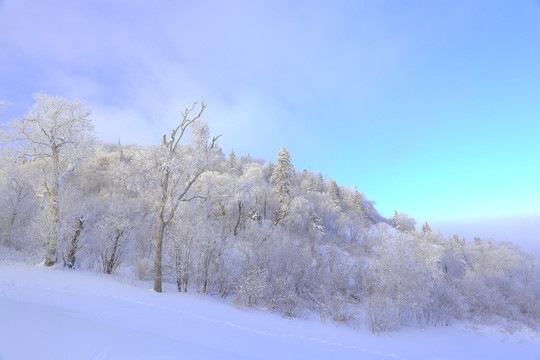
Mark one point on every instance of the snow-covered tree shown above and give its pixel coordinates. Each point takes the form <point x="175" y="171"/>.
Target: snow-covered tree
<point x="231" y="161"/>
<point x="335" y="194"/>
<point x="402" y="271"/>
<point x="403" y="222"/>
<point x="282" y="173"/>
<point x="18" y="202"/>
<point x="176" y="180"/>
<point x="58" y="134"/>
<point x="332" y="254"/>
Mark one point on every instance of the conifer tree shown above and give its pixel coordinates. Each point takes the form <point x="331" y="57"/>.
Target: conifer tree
<point x="335" y="194"/>
<point x="357" y="201"/>
<point x="281" y="175"/>
<point x="395" y="220"/>
<point x="231" y="162"/>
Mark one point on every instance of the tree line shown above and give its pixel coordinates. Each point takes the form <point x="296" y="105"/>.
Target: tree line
<point x="259" y="233"/>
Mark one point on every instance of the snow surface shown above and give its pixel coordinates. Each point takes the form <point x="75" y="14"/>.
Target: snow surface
<point x="51" y="313"/>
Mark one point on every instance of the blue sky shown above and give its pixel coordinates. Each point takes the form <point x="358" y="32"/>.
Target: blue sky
<point x="429" y="107"/>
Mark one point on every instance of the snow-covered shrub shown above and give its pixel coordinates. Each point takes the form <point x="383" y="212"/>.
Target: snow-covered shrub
<point x="283" y="298"/>
<point x="145" y="269"/>
<point x="381" y="314"/>
<point x="252" y="287"/>
<point x="340" y="309"/>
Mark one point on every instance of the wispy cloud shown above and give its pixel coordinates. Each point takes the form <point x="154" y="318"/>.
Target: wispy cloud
<point x="419" y="104"/>
<point x="155" y="58"/>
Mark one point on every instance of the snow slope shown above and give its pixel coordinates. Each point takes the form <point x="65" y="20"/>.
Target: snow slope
<point x="51" y="313"/>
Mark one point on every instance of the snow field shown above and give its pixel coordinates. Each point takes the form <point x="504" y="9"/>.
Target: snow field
<point x="51" y="313"/>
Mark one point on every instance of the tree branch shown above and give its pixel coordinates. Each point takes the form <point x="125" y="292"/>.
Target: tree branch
<point x="214" y="139"/>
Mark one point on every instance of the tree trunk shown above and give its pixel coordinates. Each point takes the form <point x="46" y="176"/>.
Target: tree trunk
<point x="54" y="220"/>
<point x="9" y="236"/>
<point x="160" y="231"/>
<point x="50" y="257"/>
<point x="239" y="217"/>
<point x="159" y="246"/>
<point x="264" y="211"/>
<point x="74" y="247"/>
<point x="178" y="265"/>
<point x="113" y="261"/>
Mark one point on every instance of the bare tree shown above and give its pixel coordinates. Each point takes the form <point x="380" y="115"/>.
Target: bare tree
<point x="111" y="258"/>
<point x="56" y="132"/>
<point x="16" y="202"/>
<point x="115" y="228"/>
<point x="173" y="189"/>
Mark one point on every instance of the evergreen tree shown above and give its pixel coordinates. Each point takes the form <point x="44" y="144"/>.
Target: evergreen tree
<point x="231" y="162"/>
<point x="335" y="195"/>
<point x="395" y="220"/>
<point x="358" y="204"/>
<point x="320" y="183"/>
<point x="282" y="173"/>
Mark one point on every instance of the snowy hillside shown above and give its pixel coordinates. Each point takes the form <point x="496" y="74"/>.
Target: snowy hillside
<point x="257" y="233"/>
<point x="50" y="313"/>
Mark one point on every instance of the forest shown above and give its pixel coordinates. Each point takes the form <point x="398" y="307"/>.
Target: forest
<point x="259" y="234"/>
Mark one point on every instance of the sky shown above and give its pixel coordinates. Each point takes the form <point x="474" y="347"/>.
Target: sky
<point x="431" y="108"/>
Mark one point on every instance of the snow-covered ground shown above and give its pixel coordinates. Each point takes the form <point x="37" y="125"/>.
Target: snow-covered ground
<point x="51" y="313"/>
